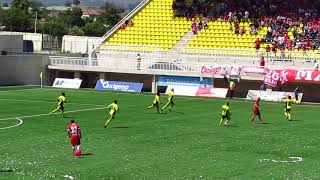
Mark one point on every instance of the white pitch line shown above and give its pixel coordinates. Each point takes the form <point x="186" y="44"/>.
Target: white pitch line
<point x="24" y="100"/>
<point x="20" y="122"/>
<point x="47" y="114"/>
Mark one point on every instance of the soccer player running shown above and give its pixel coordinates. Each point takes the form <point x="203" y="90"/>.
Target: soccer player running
<point x="170" y="100"/>
<point x="256" y="111"/>
<point x="74" y="134"/>
<point x="225" y="114"/>
<point x="114" y="107"/>
<point x="287" y="108"/>
<point x="61" y="100"/>
<point x="156" y="103"/>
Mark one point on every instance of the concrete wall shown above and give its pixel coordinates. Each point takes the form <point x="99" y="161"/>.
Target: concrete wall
<point x="90" y="78"/>
<point x="23" y="69"/>
<point x="11" y="43"/>
<point x="36" y="38"/>
<point x="310" y="91"/>
<point x="78" y="44"/>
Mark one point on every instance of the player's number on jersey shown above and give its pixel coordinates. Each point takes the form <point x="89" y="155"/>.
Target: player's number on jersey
<point x="74" y="129"/>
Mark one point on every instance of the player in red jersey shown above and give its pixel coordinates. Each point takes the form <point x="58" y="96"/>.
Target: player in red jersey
<point x="256" y="111"/>
<point x="74" y="134"/>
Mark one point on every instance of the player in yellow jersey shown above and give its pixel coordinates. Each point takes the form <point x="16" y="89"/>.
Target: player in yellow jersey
<point x="156" y="103"/>
<point x="225" y="114"/>
<point x="113" y="110"/>
<point x="170" y="100"/>
<point x="287" y="108"/>
<point x="61" y="100"/>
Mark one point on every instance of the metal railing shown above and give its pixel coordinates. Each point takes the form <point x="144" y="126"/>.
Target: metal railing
<point x="134" y="66"/>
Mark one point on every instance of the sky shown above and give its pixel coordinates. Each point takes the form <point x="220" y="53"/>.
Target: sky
<point x="127" y="4"/>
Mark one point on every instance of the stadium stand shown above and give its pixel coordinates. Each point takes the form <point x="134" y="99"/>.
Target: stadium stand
<point x="154" y="27"/>
<point x="222" y="30"/>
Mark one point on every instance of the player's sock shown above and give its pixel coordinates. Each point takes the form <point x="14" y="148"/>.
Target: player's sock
<point x="289" y="116"/>
<point x="78" y="147"/>
<point x="251" y="121"/>
<point x="220" y="122"/>
<point x="286" y="114"/>
<point x="226" y="123"/>
<point x="108" y="121"/>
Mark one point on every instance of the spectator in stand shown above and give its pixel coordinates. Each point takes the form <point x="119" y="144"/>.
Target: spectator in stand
<point x="257" y="44"/>
<point x="230" y="26"/>
<point x="274" y="49"/>
<point x="262" y="61"/>
<point x="200" y="26"/>
<point x="268" y="49"/>
<point x="123" y="26"/>
<point x="236" y="28"/>
<point x="253" y="30"/>
<point x="205" y="25"/>
<point x="242" y="30"/>
<point x="130" y="23"/>
<point x="315" y="65"/>
<point x="246" y="16"/>
<point x="138" y="61"/>
<point x="282" y="51"/>
<point x="194" y="27"/>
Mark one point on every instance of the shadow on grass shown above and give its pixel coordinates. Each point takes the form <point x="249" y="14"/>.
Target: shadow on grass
<point x="121" y="127"/>
<point x="6" y="170"/>
<point x="85" y="155"/>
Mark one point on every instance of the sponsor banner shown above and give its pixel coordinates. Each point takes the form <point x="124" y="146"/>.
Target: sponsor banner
<point x="273" y="77"/>
<point x="274" y="96"/>
<point x="118" y="86"/>
<point x="253" y="71"/>
<point x="198" y="91"/>
<point x="183" y="90"/>
<point x="212" y="92"/>
<point x="184" y="81"/>
<point x="67" y="83"/>
<point x="234" y="70"/>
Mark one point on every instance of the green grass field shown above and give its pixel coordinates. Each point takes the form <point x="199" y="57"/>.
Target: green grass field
<point x="184" y="144"/>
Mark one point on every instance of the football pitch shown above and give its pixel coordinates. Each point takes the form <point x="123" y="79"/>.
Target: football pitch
<point x="183" y="144"/>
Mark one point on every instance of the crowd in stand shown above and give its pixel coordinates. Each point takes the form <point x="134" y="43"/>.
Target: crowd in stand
<point x="298" y="19"/>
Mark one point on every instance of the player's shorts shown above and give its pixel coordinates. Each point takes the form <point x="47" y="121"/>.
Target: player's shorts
<point x="226" y="117"/>
<point x="75" y="140"/>
<point x="256" y="112"/>
<point x="287" y="109"/>
<point x="60" y="107"/>
<point x="112" y="113"/>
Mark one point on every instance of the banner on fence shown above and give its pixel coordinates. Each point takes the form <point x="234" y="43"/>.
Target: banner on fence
<point x="67" y="83"/>
<point x="118" y="86"/>
<point x="234" y="70"/>
<point x="184" y="81"/>
<point x="274" y="96"/>
<point x="198" y="91"/>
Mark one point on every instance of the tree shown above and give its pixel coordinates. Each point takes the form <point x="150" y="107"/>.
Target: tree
<point x="96" y="29"/>
<point x="21" y="5"/>
<point x="111" y="15"/>
<point x="16" y="20"/>
<point x="76" y="31"/>
<point x="67" y="4"/>
<point x="76" y="2"/>
<point x="75" y="16"/>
